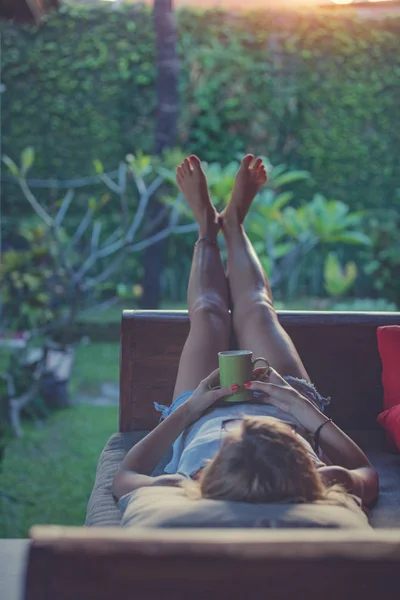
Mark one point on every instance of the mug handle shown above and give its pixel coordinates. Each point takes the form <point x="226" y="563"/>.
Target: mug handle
<point x="267" y="365"/>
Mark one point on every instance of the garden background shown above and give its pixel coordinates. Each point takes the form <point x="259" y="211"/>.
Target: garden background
<point x="315" y="94"/>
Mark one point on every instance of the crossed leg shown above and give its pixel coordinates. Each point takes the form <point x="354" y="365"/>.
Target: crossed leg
<point x="208" y="292"/>
<point x="255" y="321"/>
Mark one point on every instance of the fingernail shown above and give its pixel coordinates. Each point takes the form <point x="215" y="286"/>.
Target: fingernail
<point x="247" y="384"/>
<point x="235" y="387"/>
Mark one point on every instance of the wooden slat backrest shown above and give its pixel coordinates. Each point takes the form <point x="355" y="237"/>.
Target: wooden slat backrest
<point x="67" y="563"/>
<point x="339" y="351"/>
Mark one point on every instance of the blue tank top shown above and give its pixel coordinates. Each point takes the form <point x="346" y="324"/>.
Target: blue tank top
<point x="200" y="442"/>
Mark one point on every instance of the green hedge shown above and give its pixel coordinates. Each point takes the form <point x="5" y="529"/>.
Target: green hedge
<point x="315" y="91"/>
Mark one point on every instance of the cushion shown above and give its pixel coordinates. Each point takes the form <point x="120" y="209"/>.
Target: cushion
<point x="171" y="507"/>
<point x="389" y="350"/>
<point x="386" y="511"/>
<point x="102" y="509"/>
<point x="390" y="421"/>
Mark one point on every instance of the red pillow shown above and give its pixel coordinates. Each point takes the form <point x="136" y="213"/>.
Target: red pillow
<point x="390" y="421"/>
<point x="389" y="350"/>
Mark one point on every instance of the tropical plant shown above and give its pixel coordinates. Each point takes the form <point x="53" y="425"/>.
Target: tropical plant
<point x="56" y="270"/>
<point x="338" y="280"/>
<point x="283" y="236"/>
<point x="319" y="224"/>
<point x="35" y="285"/>
<point x="382" y="258"/>
<point x="61" y="271"/>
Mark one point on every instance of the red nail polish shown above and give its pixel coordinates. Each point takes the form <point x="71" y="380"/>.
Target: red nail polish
<point x="235" y="387"/>
<point x="247" y="384"/>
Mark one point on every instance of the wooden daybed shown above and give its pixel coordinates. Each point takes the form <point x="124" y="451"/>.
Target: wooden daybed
<point x="102" y="561"/>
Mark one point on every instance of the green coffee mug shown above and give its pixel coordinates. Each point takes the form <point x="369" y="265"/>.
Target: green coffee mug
<point x="236" y="366"/>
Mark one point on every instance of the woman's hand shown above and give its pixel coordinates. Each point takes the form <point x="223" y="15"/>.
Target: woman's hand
<point x="203" y="397"/>
<point x="277" y="391"/>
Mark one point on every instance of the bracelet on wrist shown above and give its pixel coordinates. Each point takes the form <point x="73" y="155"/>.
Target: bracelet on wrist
<point x="205" y="239"/>
<point x="317" y="434"/>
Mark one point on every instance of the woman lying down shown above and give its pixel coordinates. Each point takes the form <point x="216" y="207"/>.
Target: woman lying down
<point x="256" y="452"/>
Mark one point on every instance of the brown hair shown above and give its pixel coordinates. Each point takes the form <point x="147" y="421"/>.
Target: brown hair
<point x="263" y="462"/>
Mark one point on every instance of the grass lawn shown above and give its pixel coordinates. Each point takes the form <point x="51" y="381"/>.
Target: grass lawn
<point x="94" y="364"/>
<point x="51" y="469"/>
<point x="53" y="466"/>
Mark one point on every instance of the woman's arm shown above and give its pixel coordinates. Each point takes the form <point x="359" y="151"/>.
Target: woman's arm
<point x="147" y="453"/>
<point x="143" y="458"/>
<point x="363" y="481"/>
<point x="355" y="471"/>
<point x="339" y="448"/>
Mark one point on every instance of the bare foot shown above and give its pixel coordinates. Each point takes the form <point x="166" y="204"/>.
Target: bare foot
<point x="192" y="183"/>
<point x="249" y="181"/>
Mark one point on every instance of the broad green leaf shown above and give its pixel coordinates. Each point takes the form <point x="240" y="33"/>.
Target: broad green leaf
<point x="98" y="166"/>
<point x="142" y="161"/>
<point x="275" y="172"/>
<point x="27" y="158"/>
<point x="372" y="267"/>
<point x="122" y="290"/>
<point x="283" y="249"/>
<point x="353" y="219"/>
<point x="32" y="282"/>
<point x="338" y="281"/>
<point x="256" y="228"/>
<point x="291" y="177"/>
<point x="259" y="247"/>
<point x="267" y="265"/>
<point x="283" y="199"/>
<point x="42" y="297"/>
<point x="353" y="237"/>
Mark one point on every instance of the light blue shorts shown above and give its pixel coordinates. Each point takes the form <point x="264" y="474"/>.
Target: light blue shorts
<point x="304" y="387"/>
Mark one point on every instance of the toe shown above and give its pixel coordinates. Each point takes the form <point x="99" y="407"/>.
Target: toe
<point x="262" y="175"/>
<point x="247" y="160"/>
<point x="257" y="164"/>
<point x="195" y="161"/>
<point x="188" y="168"/>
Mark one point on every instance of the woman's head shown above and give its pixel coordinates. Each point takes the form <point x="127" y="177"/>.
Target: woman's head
<point x="264" y="461"/>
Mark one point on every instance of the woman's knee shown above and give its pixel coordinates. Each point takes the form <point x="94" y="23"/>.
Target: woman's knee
<point x="211" y="309"/>
<point x="259" y="310"/>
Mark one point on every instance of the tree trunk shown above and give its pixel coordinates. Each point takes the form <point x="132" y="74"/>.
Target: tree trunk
<point x="165" y="135"/>
<point x="26" y="10"/>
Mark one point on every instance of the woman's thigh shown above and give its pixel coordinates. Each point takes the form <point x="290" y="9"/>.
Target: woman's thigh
<point x="209" y="334"/>
<point x="262" y="333"/>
